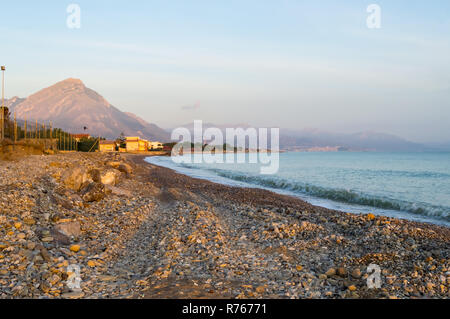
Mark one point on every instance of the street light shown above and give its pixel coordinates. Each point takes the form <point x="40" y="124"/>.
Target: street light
<point x="3" y="68"/>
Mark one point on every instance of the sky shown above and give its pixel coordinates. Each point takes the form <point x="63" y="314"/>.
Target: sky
<point x="279" y="63"/>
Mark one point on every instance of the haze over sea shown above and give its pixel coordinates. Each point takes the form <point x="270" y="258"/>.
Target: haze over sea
<point x="414" y="186"/>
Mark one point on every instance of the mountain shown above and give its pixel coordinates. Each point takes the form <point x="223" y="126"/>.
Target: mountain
<point x="361" y="141"/>
<point x="70" y="105"/>
<point x="314" y="139"/>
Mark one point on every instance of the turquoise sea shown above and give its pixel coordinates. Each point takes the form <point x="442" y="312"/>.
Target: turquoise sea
<point x="413" y="186"/>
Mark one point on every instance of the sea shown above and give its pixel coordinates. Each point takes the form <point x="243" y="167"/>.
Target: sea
<point x="413" y="186"/>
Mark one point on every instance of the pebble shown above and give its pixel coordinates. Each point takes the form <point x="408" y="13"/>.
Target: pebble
<point x="356" y="273"/>
<point x="75" y="248"/>
<point x="73" y="295"/>
<point x="331" y="272"/>
<point x="341" y="272"/>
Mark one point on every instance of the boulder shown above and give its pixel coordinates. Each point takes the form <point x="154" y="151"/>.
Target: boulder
<point x="118" y="191"/>
<point x="110" y="177"/>
<point x="74" y="178"/>
<point x="94" y="192"/>
<point x="125" y="168"/>
<point x="95" y="175"/>
<point x="113" y="164"/>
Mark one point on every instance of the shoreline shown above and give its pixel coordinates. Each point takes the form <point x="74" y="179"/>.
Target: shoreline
<point x="155" y="233"/>
<point x="353" y="208"/>
<point x="278" y="197"/>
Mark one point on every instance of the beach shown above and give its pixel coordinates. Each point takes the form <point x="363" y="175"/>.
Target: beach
<point x="137" y="230"/>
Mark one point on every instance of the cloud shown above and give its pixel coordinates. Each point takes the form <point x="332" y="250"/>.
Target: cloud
<point x="192" y="107"/>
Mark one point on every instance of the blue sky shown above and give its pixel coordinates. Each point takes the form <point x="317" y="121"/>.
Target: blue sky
<point x="296" y="64"/>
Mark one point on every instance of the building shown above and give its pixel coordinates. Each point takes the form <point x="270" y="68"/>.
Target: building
<point x="156" y="146"/>
<point x="78" y="137"/>
<point x="132" y="144"/>
<point x="143" y="145"/>
<point x="107" y="146"/>
<point x="136" y="144"/>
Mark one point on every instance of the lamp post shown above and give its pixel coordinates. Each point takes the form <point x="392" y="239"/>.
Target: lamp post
<point x="3" y="68"/>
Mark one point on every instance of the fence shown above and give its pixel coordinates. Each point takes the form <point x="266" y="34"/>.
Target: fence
<point x="45" y="134"/>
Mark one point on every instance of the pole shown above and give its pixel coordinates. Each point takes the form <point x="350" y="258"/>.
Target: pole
<point x="3" y="68"/>
<point x="25" y="129"/>
<point x="51" y="135"/>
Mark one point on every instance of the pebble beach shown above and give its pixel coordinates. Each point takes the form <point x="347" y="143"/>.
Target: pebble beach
<point x="130" y="229"/>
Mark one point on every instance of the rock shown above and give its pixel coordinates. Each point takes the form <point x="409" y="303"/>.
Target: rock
<point x="95" y="175"/>
<point x="73" y="295"/>
<point x="44" y="252"/>
<point x="75" y="248"/>
<point x="342" y="272"/>
<point x="113" y="164"/>
<point x="390" y="280"/>
<point x="118" y="191"/>
<point x="59" y="200"/>
<point x="74" y="178"/>
<point x="29" y="221"/>
<point x="94" y="193"/>
<point x="47" y="239"/>
<point x="69" y="228"/>
<point x="125" y="168"/>
<point x="110" y="177"/>
<point x="331" y="272"/>
<point x="21" y="236"/>
<point x="107" y="278"/>
<point x="59" y="237"/>
<point x="356" y="273"/>
<point x="260" y="289"/>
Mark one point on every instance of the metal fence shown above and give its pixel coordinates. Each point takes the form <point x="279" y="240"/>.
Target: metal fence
<point x="34" y="131"/>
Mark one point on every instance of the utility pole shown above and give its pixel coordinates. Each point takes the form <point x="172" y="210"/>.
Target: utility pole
<point x="51" y="135"/>
<point x="25" y="129"/>
<point x="3" y="68"/>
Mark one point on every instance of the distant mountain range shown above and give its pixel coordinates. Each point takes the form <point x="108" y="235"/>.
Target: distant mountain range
<point x="361" y="141"/>
<point x="316" y="140"/>
<point x="70" y="105"/>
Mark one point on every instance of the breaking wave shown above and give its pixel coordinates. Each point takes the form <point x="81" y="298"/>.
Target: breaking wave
<point x="334" y="194"/>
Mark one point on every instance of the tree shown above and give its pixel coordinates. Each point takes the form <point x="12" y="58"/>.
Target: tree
<point x="122" y="140"/>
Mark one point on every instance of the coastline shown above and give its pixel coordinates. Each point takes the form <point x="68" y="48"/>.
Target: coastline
<point x="158" y="234"/>
<point x="340" y="199"/>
